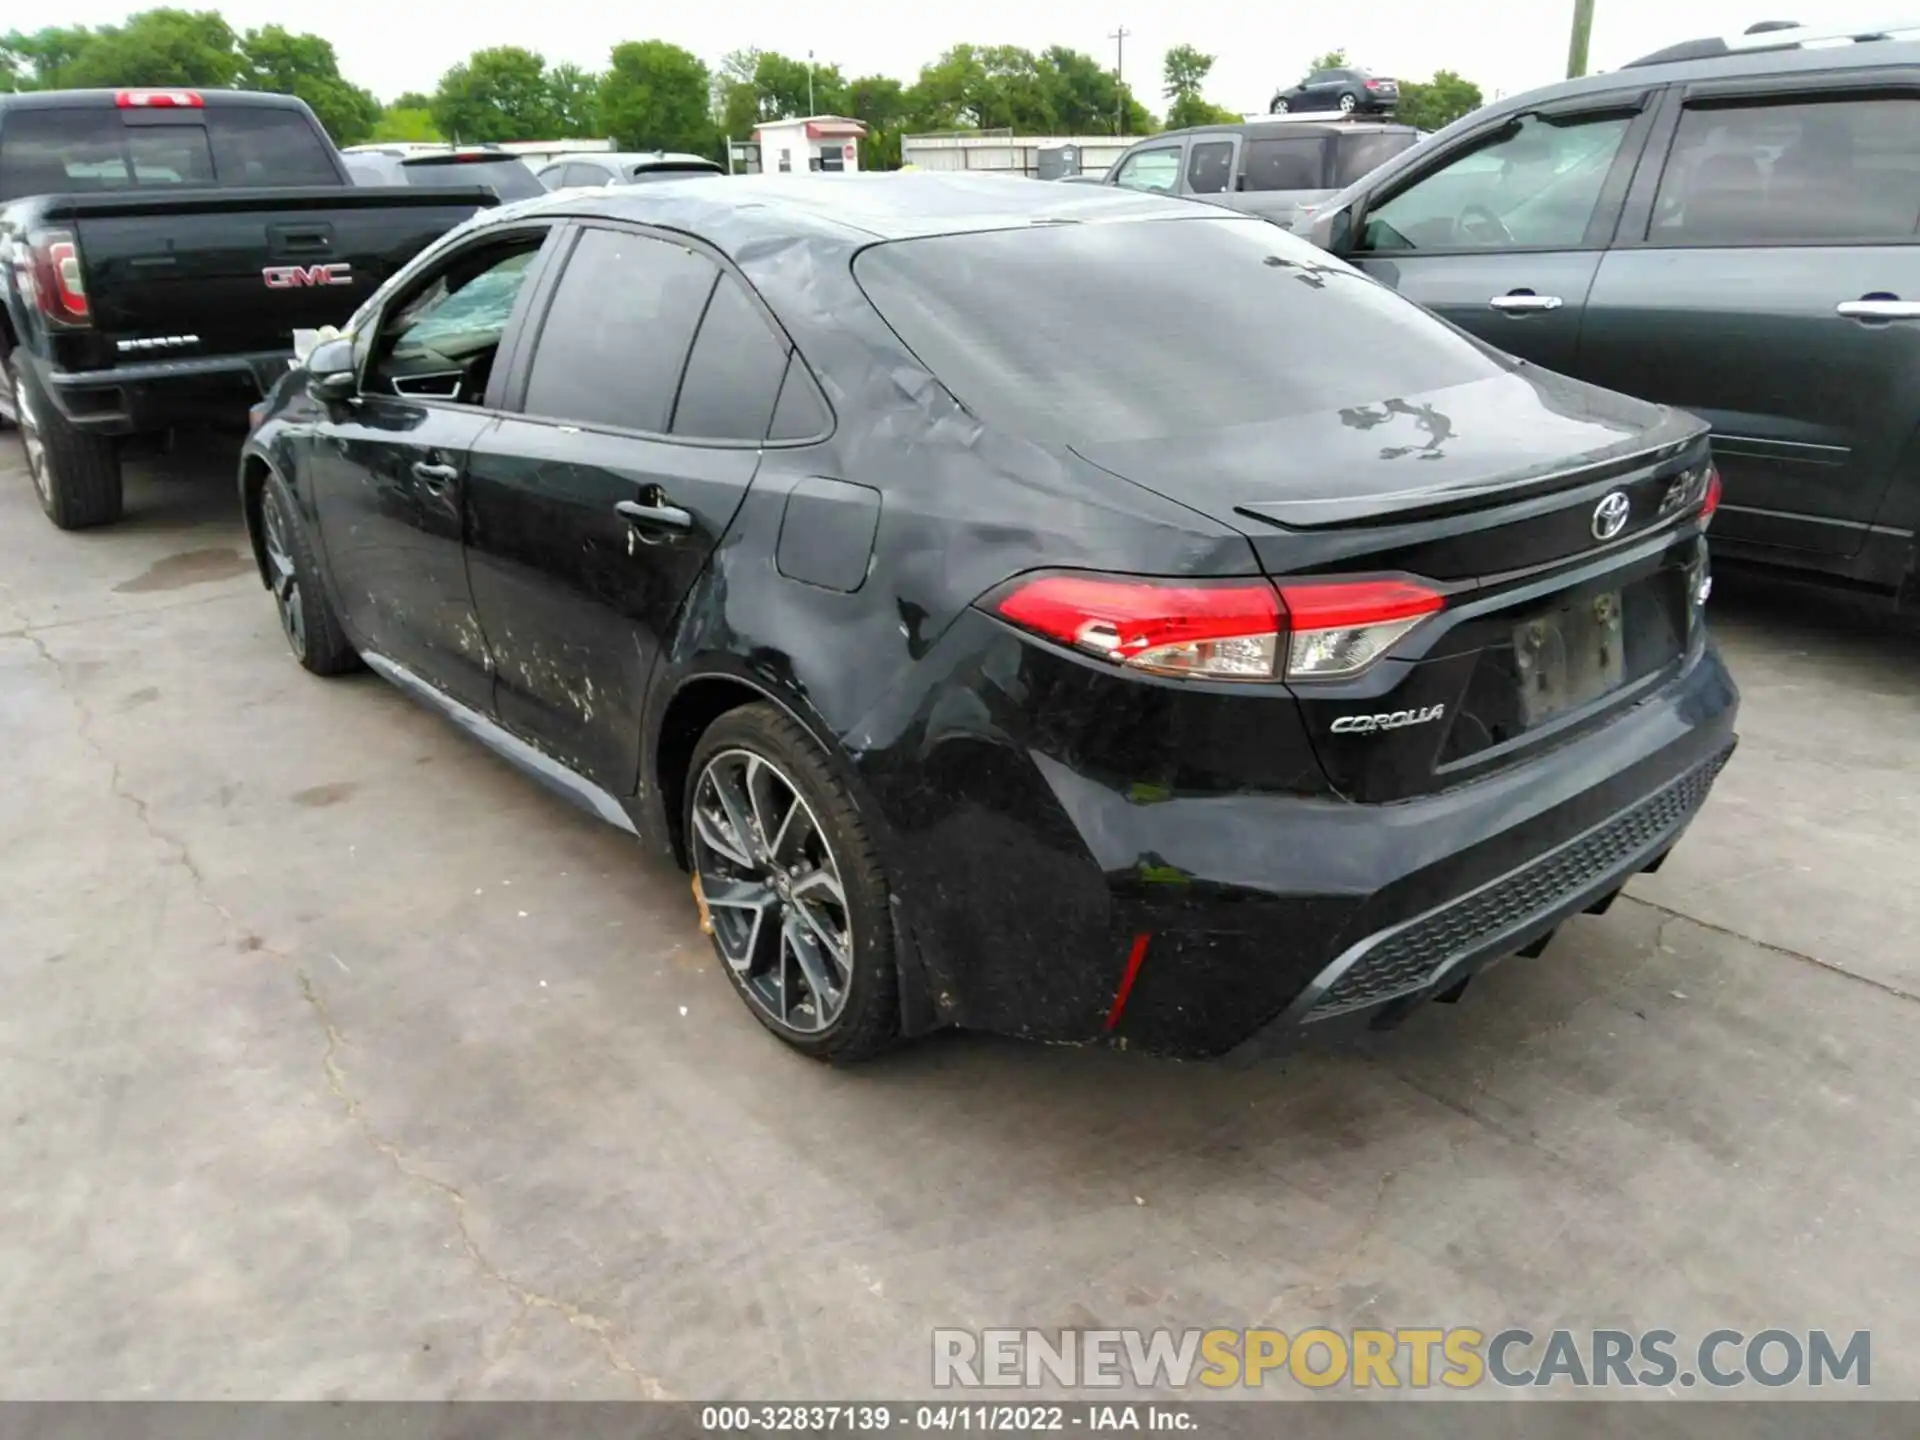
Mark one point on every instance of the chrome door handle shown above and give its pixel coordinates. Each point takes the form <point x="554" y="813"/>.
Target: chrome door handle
<point x="1525" y="302"/>
<point x="435" y="477"/>
<point x="1879" y="307"/>
<point x="654" y="517"/>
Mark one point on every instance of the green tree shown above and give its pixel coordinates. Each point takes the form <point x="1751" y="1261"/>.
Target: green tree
<point x="576" y="100"/>
<point x="739" y="109"/>
<point x="276" y="59"/>
<point x="1186" y="72"/>
<point x="657" y="96"/>
<point x="1005" y="87"/>
<point x="780" y="87"/>
<point x="411" y="100"/>
<point x="1436" y="103"/>
<point x="406" y="124"/>
<point x="497" y="94"/>
<point x="156" y="47"/>
<point x="1332" y="60"/>
<point x="30" y="62"/>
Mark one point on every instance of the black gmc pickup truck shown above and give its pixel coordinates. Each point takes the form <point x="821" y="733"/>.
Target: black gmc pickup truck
<point x="158" y="250"/>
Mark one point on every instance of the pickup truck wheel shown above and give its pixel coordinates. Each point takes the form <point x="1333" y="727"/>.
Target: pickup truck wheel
<point x="790" y="887"/>
<point x="313" y="631"/>
<point x="76" y="473"/>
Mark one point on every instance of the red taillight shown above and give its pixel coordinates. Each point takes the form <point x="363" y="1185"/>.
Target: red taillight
<point x="1373" y="84"/>
<point x="1227" y="631"/>
<point x="1222" y="630"/>
<point x="59" y="285"/>
<point x="158" y="99"/>
<point x="1340" y="627"/>
<point x="1712" y="502"/>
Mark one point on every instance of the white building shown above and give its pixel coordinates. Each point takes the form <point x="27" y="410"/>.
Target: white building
<point x="816" y="142"/>
<point x="1002" y="152"/>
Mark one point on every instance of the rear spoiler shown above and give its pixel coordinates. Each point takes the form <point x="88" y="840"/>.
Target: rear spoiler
<point x="106" y="206"/>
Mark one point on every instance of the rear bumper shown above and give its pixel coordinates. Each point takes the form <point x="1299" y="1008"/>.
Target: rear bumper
<point x="1267" y="916"/>
<point x="150" y="395"/>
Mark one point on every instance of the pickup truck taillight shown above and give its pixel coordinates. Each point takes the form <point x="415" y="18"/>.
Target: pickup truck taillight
<point x="59" y="285"/>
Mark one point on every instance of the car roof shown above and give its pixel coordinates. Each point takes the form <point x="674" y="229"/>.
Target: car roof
<point x="858" y="208"/>
<point x="1280" y="125"/>
<point x="104" y="98"/>
<point x="1867" y="55"/>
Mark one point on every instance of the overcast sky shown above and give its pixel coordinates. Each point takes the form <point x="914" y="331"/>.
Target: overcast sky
<point x="395" y="47"/>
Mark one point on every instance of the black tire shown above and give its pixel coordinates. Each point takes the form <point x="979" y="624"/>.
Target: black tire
<point x="867" y="1018"/>
<point x="75" y="472"/>
<point x="314" y="633"/>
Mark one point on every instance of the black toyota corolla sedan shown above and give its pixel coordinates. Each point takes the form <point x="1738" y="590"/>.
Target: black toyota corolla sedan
<point x="1076" y="614"/>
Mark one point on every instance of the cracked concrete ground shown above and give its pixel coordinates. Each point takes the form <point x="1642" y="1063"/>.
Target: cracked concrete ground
<point x="340" y="1060"/>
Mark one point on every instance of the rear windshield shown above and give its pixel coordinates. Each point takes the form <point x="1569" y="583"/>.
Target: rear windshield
<point x="1140" y="330"/>
<point x="1356" y="155"/>
<point x="509" y="179"/>
<point x="82" y="149"/>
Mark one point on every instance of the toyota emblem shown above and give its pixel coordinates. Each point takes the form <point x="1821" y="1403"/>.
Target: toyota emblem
<point x="1610" y="515"/>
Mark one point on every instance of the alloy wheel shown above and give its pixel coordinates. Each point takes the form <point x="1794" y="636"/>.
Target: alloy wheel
<point x="1348" y="104"/>
<point x="773" y="891"/>
<point x="284" y="577"/>
<point x="30" y="436"/>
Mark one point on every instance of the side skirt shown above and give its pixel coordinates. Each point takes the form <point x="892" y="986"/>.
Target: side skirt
<point x="568" y="784"/>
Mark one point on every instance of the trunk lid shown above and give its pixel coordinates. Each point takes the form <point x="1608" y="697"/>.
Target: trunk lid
<point x="1559" y="520"/>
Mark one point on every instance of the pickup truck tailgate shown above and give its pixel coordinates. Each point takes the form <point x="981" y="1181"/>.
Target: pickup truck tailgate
<point x="229" y="272"/>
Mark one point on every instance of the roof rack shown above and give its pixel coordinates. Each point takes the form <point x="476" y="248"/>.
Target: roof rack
<point x="1775" y="35"/>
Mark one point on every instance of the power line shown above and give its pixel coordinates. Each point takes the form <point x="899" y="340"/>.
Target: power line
<point x="1119" y="38"/>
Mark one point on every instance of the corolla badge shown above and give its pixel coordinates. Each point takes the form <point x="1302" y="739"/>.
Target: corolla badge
<point x="1610" y="515"/>
<point x="1392" y="720"/>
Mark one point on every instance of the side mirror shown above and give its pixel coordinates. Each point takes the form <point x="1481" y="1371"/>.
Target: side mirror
<point x="330" y="371"/>
<point x="1333" y="230"/>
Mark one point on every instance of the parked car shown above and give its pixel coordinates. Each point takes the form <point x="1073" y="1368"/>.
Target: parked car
<point x="594" y="168"/>
<point x="1279" y="169"/>
<point x="507" y="176"/>
<point x="1731" y="234"/>
<point x="1348" y="90"/>
<point x="1149" y="630"/>
<point x="165" y="246"/>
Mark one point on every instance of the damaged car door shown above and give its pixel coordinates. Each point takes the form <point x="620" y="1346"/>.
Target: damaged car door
<point x="389" y="464"/>
<point x="633" y="430"/>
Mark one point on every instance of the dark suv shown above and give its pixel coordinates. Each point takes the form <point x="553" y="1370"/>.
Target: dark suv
<point x="1727" y="226"/>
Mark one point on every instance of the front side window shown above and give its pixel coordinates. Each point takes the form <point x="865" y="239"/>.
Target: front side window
<point x="616" y="336"/>
<point x="1535" y="183"/>
<point x="1830" y="170"/>
<point x="442" y="341"/>
<point x="1157" y="170"/>
<point x="1210" y="166"/>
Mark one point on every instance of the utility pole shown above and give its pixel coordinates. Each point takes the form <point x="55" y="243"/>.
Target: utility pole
<point x="1577" y="47"/>
<point x="810" y="79"/>
<point x="1119" y="38"/>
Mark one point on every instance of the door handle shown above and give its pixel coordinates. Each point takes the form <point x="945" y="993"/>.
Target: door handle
<point x="654" y="517"/>
<point x="1879" y="307"/>
<point x="1525" y="302"/>
<point x="435" y="477"/>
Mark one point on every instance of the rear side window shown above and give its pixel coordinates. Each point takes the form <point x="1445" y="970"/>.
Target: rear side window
<point x="1294" y="162"/>
<point x="617" y="332"/>
<point x="1357" y="155"/>
<point x="80" y="149"/>
<point x="1209" y="166"/>
<point x="256" y="145"/>
<point x="733" y="374"/>
<point x="1766" y="174"/>
<point x="1081" y="333"/>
